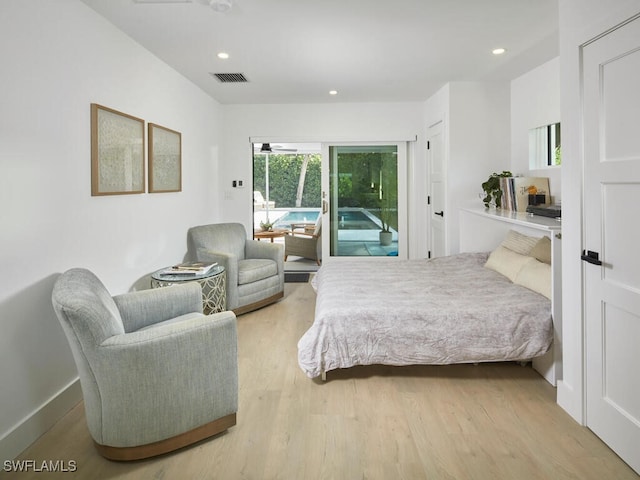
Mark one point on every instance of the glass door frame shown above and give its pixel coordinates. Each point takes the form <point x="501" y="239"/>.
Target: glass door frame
<point x="403" y="233"/>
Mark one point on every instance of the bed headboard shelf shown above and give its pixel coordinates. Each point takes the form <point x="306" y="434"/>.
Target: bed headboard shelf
<point x="482" y="230"/>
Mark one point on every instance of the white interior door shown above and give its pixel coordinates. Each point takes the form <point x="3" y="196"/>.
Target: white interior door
<point x="611" y="69"/>
<point x="437" y="191"/>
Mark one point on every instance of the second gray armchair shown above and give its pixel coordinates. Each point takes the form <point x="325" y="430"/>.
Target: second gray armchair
<point x="255" y="270"/>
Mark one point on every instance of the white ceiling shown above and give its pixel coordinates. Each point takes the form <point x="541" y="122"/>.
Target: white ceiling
<point x="295" y="51"/>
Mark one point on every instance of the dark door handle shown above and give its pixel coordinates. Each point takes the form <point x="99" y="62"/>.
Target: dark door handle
<point x="591" y="257"/>
<point x="441" y="213"/>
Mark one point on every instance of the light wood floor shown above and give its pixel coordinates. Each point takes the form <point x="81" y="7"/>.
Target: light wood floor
<point x="493" y="421"/>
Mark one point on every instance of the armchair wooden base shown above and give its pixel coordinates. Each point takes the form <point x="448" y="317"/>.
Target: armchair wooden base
<point x="125" y="454"/>
<point x="256" y="305"/>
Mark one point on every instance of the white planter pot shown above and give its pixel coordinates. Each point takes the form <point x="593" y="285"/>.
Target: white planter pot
<point x="386" y="238"/>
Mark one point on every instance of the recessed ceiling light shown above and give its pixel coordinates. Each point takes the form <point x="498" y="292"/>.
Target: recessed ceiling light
<point x="221" y="6"/>
<point x="333" y="92"/>
<point x="498" y="51"/>
<point x="223" y="55"/>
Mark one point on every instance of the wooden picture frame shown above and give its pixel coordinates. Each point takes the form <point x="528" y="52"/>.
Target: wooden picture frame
<point x="165" y="159"/>
<point x="117" y="152"/>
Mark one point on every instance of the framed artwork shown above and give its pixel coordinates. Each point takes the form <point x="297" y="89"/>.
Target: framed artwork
<point x="117" y="152"/>
<point x="165" y="159"/>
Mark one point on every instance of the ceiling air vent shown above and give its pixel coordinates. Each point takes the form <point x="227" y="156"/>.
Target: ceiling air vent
<point x="230" y="77"/>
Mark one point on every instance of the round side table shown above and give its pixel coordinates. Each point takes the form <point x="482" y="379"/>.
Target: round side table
<point x="213" y="283"/>
<point x="270" y="234"/>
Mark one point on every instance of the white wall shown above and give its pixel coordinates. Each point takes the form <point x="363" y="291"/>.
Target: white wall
<point x="317" y="123"/>
<point x="479" y="134"/>
<point x="57" y="58"/>
<point x="476" y="127"/>
<point x="535" y="102"/>
<point x="580" y="21"/>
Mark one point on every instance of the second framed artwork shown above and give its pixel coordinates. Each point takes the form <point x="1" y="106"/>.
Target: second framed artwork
<point x="165" y="159"/>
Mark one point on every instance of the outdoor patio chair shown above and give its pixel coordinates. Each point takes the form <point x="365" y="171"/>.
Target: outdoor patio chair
<point x="303" y="241"/>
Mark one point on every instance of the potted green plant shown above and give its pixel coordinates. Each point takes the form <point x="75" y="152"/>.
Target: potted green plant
<point x="266" y="226"/>
<point x="492" y="190"/>
<point x="386" y="237"/>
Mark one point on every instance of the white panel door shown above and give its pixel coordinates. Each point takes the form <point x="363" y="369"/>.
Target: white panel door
<point x="437" y="191"/>
<point x="611" y="69"/>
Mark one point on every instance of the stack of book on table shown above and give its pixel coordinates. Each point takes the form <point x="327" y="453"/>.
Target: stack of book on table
<point x="190" y="269"/>
<point x="520" y="192"/>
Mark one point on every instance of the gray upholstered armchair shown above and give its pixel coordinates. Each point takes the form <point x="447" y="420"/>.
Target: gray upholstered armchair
<point x="255" y="270"/>
<point x="156" y="374"/>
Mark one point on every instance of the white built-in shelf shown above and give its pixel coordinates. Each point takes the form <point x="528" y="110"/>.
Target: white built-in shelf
<point x="518" y="218"/>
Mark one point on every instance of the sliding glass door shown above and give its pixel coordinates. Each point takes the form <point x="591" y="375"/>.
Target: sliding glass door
<point x="364" y="199"/>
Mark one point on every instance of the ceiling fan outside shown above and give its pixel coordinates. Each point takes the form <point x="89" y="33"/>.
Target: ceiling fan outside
<point x="268" y="148"/>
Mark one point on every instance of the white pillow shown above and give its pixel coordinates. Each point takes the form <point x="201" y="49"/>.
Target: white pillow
<point x="519" y="242"/>
<point x="507" y="262"/>
<point x="535" y="276"/>
<point x="541" y="251"/>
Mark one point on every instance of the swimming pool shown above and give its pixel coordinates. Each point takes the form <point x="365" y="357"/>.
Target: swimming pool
<point x="297" y="216"/>
<point x="354" y="224"/>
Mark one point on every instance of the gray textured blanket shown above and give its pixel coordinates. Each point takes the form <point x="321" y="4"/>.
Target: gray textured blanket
<point x="440" y="311"/>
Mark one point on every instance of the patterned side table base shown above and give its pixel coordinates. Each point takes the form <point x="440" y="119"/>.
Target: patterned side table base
<point x="214" y="289"/>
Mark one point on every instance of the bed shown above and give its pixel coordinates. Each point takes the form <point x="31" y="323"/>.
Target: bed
<point x="440" y="311"/>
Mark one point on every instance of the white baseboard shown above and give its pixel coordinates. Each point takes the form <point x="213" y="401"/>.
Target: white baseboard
<point x="570" y="402"/>
<point x="33" y="426"/>
<point x="546" y="366"/>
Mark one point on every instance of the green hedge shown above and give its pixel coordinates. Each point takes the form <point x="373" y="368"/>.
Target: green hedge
<point x="284" y="174"/>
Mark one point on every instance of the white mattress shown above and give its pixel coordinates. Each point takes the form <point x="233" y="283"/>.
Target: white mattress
<point x="440" y="311"/>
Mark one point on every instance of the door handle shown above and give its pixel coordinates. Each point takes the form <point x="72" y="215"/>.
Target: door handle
<point x="440" y="213"/>
<point x="325" y="206"/>
<point x="591" y="257"/>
